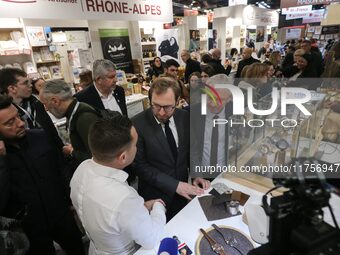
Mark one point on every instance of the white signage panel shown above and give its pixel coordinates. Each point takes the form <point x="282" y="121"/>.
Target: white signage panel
<point x="298" y="9"/>
<point x="260" y="17"/>
<point x="314" y="17"/>
<point x="293" y="33"/>
<point x="151" y="10"/>
<point x="237" y="2"/>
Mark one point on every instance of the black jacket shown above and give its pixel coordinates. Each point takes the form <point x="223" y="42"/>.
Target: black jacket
<point x="243" y="63"/>
<point x="36" y="182"/>
<point x="158" y="172"/>
<point x="39" y="119"/>
<point x="191" y="67"/>
<point x="90" y="96"/>
<point x="218" y="67"/>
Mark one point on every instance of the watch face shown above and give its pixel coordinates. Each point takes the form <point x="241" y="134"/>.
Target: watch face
<point x="264" y="148"/>
<point x="275" y="138"/>
<point x="282" y="144"/>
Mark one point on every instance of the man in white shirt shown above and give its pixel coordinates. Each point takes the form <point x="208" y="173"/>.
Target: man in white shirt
<point x="115" y="217"/>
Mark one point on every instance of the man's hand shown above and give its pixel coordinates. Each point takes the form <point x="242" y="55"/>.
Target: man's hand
<point x="2" y="148"/>
<point x="185" y="190"/>
<point x="149" y="204"/>
<point x="200" y="182"/>
<point x="67" y="150"/>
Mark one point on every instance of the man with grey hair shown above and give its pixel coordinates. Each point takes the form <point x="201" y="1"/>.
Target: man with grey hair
<point x="191" y="65"/>
<point x="216" y="63"/>
<point x="57" y="98"/>
<point x="210" y="144"/>
<point x="104" y="93"/>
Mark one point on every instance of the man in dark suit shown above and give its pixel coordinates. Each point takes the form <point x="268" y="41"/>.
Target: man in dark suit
<point x="216" y="63"/>
<point x="247" y="60"/>
<point x="209" y="143"/>
<point x="35" y="186"/>
<point x="104" y="93"/>
<point x="162" y="158"/>
<point x="191" y="65"/>
<point x="16" y="84"/>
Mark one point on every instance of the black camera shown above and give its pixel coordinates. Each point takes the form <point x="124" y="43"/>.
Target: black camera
<point x="296" y="217"/>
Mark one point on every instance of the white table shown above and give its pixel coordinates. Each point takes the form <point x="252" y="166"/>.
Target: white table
<point x="186" y="224"/>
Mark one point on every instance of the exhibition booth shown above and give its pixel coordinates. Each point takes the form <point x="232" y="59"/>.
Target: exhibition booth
<point x="237" y="25"/>
<point x="60" y="39"/>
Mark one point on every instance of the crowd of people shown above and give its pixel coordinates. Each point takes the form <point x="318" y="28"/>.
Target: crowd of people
<point x="52" y="181"/>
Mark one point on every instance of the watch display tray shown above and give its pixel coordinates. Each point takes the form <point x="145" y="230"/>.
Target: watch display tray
<point x="244" y="244"/>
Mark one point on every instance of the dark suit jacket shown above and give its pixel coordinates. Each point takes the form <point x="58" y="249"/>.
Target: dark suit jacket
<point x="243" y="63"/>
<point x="197" y="134"/>
<point x="36" y="182"/>
<point x="158" y="172"/>
<point x="191" y="67"/>
<point x="90" y="96"/>
<point x="219" y="68"/>
<point x="42" y="119"/>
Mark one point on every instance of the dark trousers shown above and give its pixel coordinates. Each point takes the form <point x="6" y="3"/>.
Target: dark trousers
<point x="65" y="232"/>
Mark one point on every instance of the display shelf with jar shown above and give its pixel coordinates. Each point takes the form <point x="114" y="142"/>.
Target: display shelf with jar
<point x="15" y="50"/>
<point x="149" y="50"/>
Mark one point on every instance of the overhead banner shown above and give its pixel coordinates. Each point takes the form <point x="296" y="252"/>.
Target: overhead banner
<point x="293" y="10"/>
<point x="293" y="3"/>
<point x="260" y="17"/>
<point x="116" y="47"/>
<point x="307" y="16"/>
<point x="314" y="17"/>
<point x="139" y="10"/>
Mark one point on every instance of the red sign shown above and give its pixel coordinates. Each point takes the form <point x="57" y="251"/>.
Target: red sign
<point x="293" y="3"/>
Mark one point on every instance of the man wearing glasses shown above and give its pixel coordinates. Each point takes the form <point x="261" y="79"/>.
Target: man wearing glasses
<point x="104" y="94"/>
<point x="162" y="158"/>
<point x="16" y="84"/>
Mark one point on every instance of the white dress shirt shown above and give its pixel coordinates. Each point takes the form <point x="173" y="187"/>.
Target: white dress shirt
<point x="221" y="157"/>
<point x="172" y="126"/>
<point x="112" y="212"/>
<point x="109" y="102"/>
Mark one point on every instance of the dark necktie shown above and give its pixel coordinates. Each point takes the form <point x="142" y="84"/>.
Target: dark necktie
<point x="171" y="139"/>
<point x="214" y="144"/>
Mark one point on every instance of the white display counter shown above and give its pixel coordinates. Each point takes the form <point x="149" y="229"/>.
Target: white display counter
<point x="186" y="224"/>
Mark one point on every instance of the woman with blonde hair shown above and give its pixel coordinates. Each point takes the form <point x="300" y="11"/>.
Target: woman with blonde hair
<point x="275" y="58"/>
<point x="255" y="77"/>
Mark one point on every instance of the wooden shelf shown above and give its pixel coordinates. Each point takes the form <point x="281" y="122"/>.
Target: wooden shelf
<point x="148" y="59"/>
<point x="148" y="43"/>
<point x="48" y="62"/>
<point x="40" y="46"/>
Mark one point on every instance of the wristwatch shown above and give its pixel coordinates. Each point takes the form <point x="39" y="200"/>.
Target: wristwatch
<point x="227" y="241"/>
<point x="282" y="144"/>
<point x="216" y="247"/>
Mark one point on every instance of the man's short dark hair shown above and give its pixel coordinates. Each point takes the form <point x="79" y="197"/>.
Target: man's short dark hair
<point x="292" y="48"/>
<point x="8" y="76"/>
<point x="171" y="62"/>
<point x="5" y="101"/>
<point x="209" y="70"/>
<point x="161" y="85"/>
<point x="307" y="42"/>
<point x="109" y="136"/>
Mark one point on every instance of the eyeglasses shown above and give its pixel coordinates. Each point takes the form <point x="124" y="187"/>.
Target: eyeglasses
<point x="25" y="83"/>
<point x="166" y="108"/>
